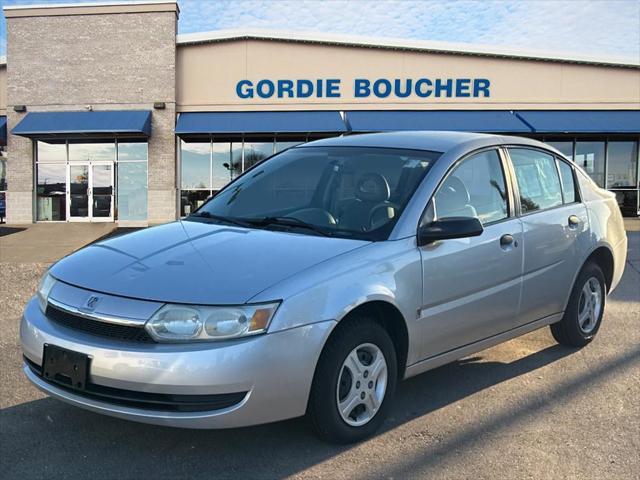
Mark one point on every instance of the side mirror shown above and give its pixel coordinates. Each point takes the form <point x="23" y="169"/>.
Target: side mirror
<point x="449" y="227"/>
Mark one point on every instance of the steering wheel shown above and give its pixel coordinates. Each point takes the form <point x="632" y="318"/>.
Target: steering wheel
<point x="381" y="206"/>
<point x="315" y="216"/>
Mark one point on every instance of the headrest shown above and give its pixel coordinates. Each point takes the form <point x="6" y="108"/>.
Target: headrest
<point x="453" y="194"/>
<point x="373" y="187"/>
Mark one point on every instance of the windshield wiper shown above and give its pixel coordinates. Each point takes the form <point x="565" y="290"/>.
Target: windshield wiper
<point x="288" y="222"/>
<point x="220" y="218"/>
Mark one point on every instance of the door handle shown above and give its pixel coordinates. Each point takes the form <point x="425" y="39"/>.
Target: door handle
<point x="507" y="240"/>
<point x="574" y="221"/>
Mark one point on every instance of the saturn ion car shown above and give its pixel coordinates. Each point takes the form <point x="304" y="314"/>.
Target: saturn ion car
<point x="319" y="278"/>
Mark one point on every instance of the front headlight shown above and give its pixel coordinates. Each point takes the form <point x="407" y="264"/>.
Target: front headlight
<point x="44" y="289"/>
<point x="184" y="323"/>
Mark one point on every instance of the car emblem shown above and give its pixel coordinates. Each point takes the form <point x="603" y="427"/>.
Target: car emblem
<point x="91" y="303"/>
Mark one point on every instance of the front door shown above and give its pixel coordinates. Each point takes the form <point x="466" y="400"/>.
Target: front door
<point x="471" y="286"/>
<point x="90" y="191"/>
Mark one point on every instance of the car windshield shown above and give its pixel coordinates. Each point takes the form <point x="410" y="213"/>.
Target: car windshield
<point x="349" y="192"/>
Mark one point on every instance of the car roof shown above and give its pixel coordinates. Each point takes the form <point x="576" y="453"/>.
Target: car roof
<point x="435" y="141"/>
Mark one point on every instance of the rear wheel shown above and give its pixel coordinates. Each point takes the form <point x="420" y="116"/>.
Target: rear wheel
<point x="583" y="316"/>
<point x="354" y="382"/>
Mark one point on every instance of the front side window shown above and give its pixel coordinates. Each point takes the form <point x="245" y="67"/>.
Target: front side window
<point x="351" y="192"/>
<point x="475" y="188"/>
<point x="538" y="180"/>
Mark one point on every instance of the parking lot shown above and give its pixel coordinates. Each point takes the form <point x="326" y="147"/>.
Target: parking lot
<point x="525" y="409"/>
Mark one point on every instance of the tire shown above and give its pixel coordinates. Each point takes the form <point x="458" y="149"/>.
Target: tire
<point x="368" y="340"/>
<point x="580" y="322"/>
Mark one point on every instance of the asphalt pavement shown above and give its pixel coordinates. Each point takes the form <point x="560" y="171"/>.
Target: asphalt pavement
<point x="525" y="409"/>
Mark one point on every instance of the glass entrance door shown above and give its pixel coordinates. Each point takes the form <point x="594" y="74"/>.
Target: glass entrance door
<point x="90" y="190"/>
<point x="101" y="192"/>
<point x="78" y="191"/>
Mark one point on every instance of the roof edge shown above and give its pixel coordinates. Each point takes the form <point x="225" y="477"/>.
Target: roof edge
<point x="88" y="8"/>
<point x="401" y="44"/>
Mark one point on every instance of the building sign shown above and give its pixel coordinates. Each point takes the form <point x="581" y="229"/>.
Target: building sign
<point x="366" y="88"/>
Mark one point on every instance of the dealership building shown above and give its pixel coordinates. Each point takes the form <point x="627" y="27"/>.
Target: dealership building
<point x="107" y="114"/>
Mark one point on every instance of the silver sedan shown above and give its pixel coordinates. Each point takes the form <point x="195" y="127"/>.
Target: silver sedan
<point x="316" y="280"/>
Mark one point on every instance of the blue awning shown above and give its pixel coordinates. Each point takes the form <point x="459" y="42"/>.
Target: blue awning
<point x="3" y="130"/>
<point x="204" y="123"/>
<point x="457" y="120"/>
<point x="60" y="124"/>
<point x="582" y="121"/>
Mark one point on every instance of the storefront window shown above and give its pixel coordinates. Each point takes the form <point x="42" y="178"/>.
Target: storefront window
<point x="255" y="152"/>
<point x="190" y="200"/>
<point x="236" y="159"/>
<point x="132" y="180"/>
<point x="590" y="156"/>
<point x="52" y="152"/>
<point x="130" y="151"/>
<point x="3" y="173"/>
<point x="284" y="145"/>
<point x="51" y="192"/>
<point x="132" y="190"/>
<point x="565" y="148"/>
<point x="196" y="165"/>
<point x="221" y="172"/>
<point x="92" y="152"/>
<point x="89" y="185"/>
<point x="622" y="164"/>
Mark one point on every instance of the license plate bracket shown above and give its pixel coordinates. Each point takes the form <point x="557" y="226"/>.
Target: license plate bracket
<point x="65" y="367"/>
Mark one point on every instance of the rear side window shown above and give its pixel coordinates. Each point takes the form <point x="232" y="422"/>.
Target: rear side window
<point x="537" y="178"/>
<point x="568" y="185"/>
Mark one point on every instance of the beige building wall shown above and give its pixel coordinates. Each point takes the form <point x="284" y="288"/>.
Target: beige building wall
<point x="69" y="58"/>
<point x="207" y="75"/>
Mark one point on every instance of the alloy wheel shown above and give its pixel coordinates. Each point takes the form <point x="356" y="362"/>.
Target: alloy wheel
<point x="362" y="384"/>
<point x="589" y="305"/>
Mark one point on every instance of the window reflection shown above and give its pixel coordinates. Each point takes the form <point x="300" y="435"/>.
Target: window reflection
<point x="208" y="166"/>
<point x="280" y="146"/>
<point x="3" y="174"/>
<point x="92" y="152"/>
<point x="565" y="148"/>
<point x="190" y="200"/>
<point x="51" y="189"/>
<point x="196" y="164"/>
<point x="132" y="191"/>
<point x="128" y="151"/>
<point x="52" y="152"/>
<point x="221" y="173"/>
<point x="255" y="152"/>
<point x="537" y="178"/>
<point x="590" y="156"/>
<point x="622" y="164"/>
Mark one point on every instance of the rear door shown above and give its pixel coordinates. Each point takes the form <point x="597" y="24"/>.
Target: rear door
<point x="471" y="286"/>
<point x="555" y="223"/>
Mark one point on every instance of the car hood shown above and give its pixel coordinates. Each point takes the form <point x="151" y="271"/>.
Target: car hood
<point x="197" y="263"/>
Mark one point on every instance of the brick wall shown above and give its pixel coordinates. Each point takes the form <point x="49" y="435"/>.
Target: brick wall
<point x="109" y="61"/>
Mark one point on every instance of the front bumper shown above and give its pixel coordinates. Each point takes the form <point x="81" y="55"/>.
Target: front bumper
<point x="276" y="371"/>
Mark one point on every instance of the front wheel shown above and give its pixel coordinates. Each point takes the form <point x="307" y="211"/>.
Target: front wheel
<point x="354" y="382"/>
<point x="583" y="316"/>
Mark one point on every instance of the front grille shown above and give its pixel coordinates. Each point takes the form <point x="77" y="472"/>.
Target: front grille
<point x="144" y="400"/>
<point x="95" y="327"/>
